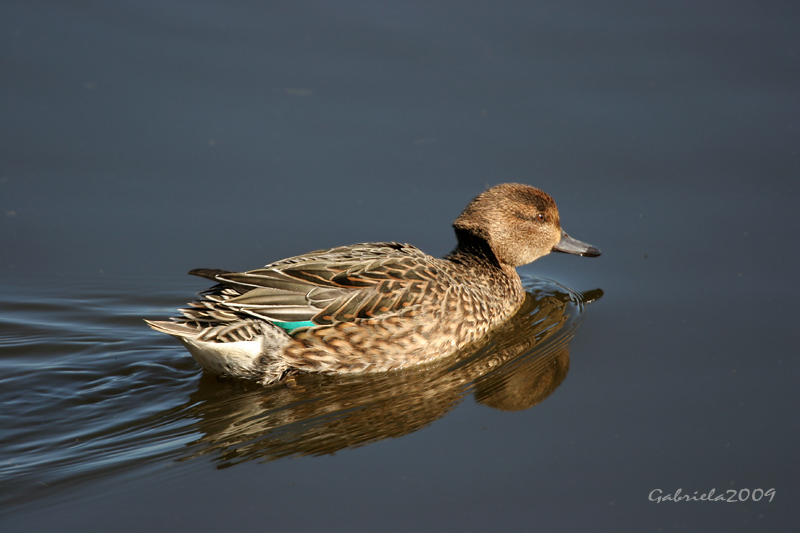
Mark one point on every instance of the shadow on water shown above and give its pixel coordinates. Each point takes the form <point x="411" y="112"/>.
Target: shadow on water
<point x="81" y="404"/>
<point x="517" y="367"/>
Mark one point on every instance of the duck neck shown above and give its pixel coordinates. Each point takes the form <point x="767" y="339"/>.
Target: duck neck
<point x="476" y="256"/>
<point x="475" y="253"/>
<point x="471" y="249"/>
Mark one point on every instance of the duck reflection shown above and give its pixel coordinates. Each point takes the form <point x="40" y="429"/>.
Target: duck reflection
<point x="517" y="366"/>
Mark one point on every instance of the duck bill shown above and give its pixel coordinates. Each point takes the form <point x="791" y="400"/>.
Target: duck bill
<point x="568" y="245"/>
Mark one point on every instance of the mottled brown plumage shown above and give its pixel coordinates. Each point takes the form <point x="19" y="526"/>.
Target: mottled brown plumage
<point x="374" y="306"/>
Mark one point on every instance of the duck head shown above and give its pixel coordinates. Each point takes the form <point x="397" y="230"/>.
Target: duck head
<point x="519" y="223"/>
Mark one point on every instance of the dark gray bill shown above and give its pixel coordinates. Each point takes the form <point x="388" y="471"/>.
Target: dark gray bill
<point x="568" y="245"/>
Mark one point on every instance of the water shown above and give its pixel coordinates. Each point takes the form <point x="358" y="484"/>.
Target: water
<point x="141" y="140"/>
<point x="109" y="397"/>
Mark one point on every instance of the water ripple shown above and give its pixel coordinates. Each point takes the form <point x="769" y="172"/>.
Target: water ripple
<point x="88" y="390"/>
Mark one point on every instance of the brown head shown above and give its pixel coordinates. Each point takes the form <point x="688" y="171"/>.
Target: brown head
<point x="519" y="223"/>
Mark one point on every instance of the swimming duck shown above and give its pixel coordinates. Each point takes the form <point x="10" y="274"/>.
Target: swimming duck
<point x="374" y="306"/>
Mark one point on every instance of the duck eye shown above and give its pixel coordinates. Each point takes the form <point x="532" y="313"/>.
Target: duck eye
<point x="541" y="217"/>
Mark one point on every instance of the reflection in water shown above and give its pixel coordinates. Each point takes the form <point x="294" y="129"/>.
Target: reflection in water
<point x="81" y="404"/>
<point x="518" y="366"/>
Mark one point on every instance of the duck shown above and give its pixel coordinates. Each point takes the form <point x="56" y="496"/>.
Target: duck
<point x="373" y="307"/>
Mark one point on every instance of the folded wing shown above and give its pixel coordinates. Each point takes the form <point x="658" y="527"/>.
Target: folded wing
<point x="323" y="287"/>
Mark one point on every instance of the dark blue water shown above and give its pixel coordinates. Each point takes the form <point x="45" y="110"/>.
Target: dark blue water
<point x="139" y="140"/>
<point x="91" y="394"/>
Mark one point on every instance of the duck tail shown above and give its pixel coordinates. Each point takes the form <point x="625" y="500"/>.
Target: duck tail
<point x="209" y="273"/>
<point x="244" y="349"/>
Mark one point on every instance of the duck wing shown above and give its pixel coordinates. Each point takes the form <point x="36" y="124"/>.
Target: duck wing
<point x="328" y="286"/>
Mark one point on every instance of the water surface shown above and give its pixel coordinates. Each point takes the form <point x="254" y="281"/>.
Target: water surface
<point x="140" y="140"/>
